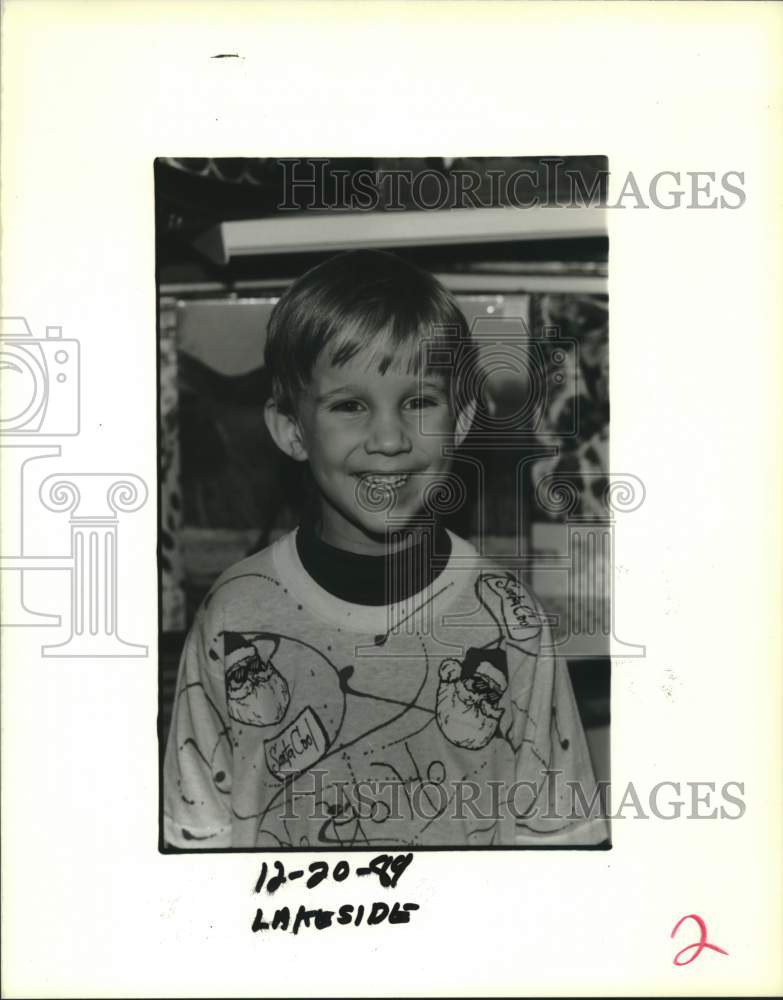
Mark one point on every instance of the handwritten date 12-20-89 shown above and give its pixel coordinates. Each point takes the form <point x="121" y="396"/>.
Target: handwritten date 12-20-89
<point x="386" y="867"/>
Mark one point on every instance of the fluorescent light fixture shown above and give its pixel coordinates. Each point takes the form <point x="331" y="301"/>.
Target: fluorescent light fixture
<point x="312" y="231"/>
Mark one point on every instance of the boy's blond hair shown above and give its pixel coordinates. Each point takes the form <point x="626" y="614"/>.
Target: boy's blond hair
<point x="374" y="301"/>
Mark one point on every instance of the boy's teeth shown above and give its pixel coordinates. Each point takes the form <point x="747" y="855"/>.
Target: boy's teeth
<point x="385" y="480"/>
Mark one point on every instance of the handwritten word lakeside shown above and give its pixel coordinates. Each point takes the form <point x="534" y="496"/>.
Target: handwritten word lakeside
<point x="379" y="912"/>
<point x="387" y="868"/>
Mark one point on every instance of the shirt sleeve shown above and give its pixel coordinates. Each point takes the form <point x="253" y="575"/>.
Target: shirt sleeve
<point x="198" y="760"/>
<point x="563" y="805"/>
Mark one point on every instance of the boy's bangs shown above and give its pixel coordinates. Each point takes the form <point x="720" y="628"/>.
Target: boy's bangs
<point x="383" y="349"/>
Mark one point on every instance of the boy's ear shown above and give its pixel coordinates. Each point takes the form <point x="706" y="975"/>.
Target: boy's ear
<point x="464" y="420"/>
<point x="285" y="431"/>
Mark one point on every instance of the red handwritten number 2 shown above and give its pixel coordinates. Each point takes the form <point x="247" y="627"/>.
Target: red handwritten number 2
<point x="698" y="946"/>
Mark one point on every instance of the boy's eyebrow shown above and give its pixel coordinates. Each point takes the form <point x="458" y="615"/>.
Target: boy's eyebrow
<point x="336" y="392"/>
<point x="438" y="384"/>
<point x="435" y="383"/>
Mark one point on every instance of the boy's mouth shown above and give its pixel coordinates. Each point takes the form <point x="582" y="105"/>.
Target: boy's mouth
<point x="389" y="481"/>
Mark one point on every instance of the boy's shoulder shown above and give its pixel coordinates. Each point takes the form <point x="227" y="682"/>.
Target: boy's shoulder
<point x="244" y="576"/>
<point x="264" y="576"/>
<point x="499" y="584"/>
<point x="504" y="565"/>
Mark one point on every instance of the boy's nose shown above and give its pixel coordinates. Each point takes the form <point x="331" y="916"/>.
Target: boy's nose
<point x="387" y="436"/>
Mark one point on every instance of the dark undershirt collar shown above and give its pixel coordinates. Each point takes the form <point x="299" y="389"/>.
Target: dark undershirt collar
<point x="373" y="580"/>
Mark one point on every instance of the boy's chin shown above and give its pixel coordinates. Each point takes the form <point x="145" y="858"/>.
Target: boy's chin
<point x="404" y="522"/>
<point x="388" y="533"/>
<point x="376" y="534"/>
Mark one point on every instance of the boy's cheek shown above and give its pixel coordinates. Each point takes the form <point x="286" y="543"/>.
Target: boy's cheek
<point x="430" y="435"/>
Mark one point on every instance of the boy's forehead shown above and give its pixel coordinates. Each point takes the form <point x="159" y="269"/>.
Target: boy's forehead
<point x="370" y="363"/>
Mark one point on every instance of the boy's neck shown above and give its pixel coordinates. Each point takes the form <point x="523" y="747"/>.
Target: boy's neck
<point x="380" y="545"/>
<point x="374" y="578"/>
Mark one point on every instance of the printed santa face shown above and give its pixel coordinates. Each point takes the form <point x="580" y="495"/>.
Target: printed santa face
<point x="468" y="704"/>
<point x="257" y="692"/>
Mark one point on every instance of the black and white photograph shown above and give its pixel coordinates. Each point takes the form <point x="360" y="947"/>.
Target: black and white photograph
<point x="390" y="436"/>
<point x="385" y="507"/>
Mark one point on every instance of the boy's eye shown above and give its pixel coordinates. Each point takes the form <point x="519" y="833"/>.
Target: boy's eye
<point x="422" y="402"/>
<point x="346" y="406"/>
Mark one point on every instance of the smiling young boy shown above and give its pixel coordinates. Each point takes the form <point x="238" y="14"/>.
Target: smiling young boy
<point x="369" y="680"/>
